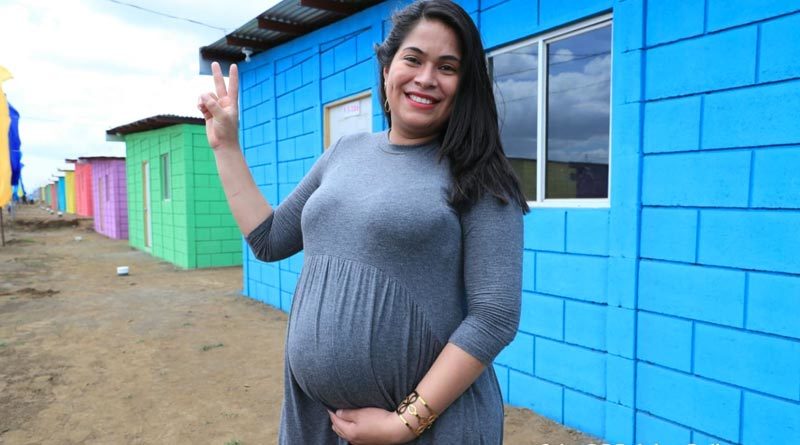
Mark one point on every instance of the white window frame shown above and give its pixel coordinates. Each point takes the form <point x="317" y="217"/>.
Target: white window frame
<point x="541" y="123"/>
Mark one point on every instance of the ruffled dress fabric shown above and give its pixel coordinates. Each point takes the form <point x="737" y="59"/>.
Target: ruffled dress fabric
<point x="390" y="275"/>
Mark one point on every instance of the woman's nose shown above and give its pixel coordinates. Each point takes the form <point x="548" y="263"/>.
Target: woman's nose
<point x="426" y="76"/>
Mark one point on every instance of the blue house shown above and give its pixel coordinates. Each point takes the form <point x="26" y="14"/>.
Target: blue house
<point x="661" y="297"/>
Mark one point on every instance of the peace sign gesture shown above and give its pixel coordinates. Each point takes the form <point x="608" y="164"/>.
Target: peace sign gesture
<point x="221" y="110"/>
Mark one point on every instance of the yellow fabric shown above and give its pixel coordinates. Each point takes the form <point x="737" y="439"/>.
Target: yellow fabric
<point x="5" y="159"/>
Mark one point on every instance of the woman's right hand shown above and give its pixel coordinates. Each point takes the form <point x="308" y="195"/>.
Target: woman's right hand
<point x="221" y="110"/>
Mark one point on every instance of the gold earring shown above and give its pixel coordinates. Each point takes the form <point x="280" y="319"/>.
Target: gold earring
<point x="386" y="106"/>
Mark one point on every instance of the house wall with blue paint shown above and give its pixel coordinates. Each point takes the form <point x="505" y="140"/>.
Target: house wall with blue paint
<point x="669" y="315"/>
<point x="62" y="194"/>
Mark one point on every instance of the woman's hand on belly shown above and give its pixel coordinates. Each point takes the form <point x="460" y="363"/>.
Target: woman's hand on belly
<point x="370" y="426"/>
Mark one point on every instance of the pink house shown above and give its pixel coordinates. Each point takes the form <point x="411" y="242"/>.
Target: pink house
<point x="109" y="196"/>
<point x="83" y="187"/>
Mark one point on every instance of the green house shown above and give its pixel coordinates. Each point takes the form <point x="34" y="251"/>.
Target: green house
<point x="176" y="206"/>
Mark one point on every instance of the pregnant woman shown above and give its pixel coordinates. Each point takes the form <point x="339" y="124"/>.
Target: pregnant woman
<point x="412" y="242"/>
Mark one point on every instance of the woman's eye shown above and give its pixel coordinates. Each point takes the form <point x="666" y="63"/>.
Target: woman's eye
<point x="448" y="68"/>
<point x="411" y="59"/>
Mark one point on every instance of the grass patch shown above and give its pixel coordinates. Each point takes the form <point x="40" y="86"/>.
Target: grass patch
<point x="210" y="347"/>
<point x="187" y="324"/>
<point x="3" y="344"/>
<point x="234" y="442"/>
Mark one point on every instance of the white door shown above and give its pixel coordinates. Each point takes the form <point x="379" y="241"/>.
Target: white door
<point x="148" y="227"/>
<point x="348" y="116"/>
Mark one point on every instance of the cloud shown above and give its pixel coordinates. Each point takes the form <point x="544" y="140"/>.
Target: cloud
<point x="81" y="67"/>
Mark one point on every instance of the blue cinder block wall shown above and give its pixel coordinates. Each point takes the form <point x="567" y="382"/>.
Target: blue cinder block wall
<point x="673" y="316"/>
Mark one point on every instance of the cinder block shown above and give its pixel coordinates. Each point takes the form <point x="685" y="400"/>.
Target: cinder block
<point x="768" y="420"/>
<point x="308" y="145"/>
<point x="294" y="125"/>
<point x="268" y="90"/>
<point x="361" y="77"/>
<point x="688" y="400"/>
<point x="629" y="22"/>
<point x="704" y="439"/>
<point x="296" y="171"/>
<point x="672" y="125"/>
<point x="545" y="229"/>
<point x="585" y="324"/>
<point x="487" y="4"/>
<point x="695" y="292"/>
<point x="310" y="70"/>
<point x="311" y="120"/>
<point x="294" y="78"/>
<point x="306" y="97"/>
<point x="773" y="304"/>
<point x="555" y="13"/>
<point x="626" y="128"/>
<point x="285" y="106"/>
<point x="669" y="21"/>
<point x="620" y="328"/>
<point x="345" y="54"/>
<point x="282" y="125"/>
<point x="574" y="276"/>
<point x="585" y="413"/>
<point x="587" y="231"/>
<point x="286" y="301"/>
<point x="775" y="179"/>
<point x="622" y="282"/>
<point x="760" y="240"/>
<point x="542" y="397"/>
<point x="528" y="270"/>
<point x="518" y="354"/>
<point x="652" y="430"/>
<point x="622" y="241"/>
<point x="620" y="380"/>
<point x="326" y="63"/>
<point x="333" y="88"/>
<point x="619" y="421"/>
<point x="669" y="234"/>
<point x="286" y="150"/>
<point x="711" y="62"/>
<point x="727" y="13"/>
<point x="683" y="179"/>
<point x="764" y="363"/>
<point x="779" y="54"/>
<point x="627" y="75"/>
<point x="364" y="45"/>
<point x="542" y="316"/>
<point x="572" y="366"/>
<point x="749" y="117"/>
<point x="665" y="341"/>
<point x="508" y="21"/>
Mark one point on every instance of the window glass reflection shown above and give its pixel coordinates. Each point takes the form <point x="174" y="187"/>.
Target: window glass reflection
<point x="578" y="112"/>
<point x="515" y="78"/>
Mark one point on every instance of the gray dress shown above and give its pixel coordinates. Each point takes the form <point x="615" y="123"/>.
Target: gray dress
<point x="390" y="275"/>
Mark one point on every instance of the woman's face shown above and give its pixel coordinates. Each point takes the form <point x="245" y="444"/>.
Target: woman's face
<point x="422" y="80"/>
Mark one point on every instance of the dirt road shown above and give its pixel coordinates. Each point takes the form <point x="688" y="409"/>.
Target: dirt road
<point x="160" y="356"/>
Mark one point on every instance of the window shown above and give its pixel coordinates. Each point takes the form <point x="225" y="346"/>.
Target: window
<point x="165" y="180"/>
<point x="554" y="103"/>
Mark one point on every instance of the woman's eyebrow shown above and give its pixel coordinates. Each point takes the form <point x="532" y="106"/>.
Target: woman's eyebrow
<point x="444" y="57"/>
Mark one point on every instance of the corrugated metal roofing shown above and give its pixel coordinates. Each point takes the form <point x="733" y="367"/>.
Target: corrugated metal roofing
<point x="283" y="22"/>
<point x="154" y="123"/>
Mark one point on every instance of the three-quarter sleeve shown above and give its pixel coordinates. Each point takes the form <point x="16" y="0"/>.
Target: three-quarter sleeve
<point x="492" y="236"/>
<point x="280" y="235"/>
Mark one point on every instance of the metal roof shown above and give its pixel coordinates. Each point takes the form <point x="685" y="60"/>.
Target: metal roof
<point x="83" y="159"/>
<point x="279" y="24"/>
<point x="154" y="123"/>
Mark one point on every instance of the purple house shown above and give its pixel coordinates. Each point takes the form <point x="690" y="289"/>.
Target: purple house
<point x="109" y="195"/>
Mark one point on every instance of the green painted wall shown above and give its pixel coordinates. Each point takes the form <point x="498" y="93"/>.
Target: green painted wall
<point x="192" y="225"/>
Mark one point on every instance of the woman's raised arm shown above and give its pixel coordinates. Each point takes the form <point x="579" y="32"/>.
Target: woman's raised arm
<point x="221" y="112"/>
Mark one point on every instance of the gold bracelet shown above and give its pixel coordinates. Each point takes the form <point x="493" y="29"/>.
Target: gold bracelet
<point x="408" y="405"/>
<point x="405" y="422"/>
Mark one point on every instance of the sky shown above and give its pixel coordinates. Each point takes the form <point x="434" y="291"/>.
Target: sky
<point x="82" y="67"/>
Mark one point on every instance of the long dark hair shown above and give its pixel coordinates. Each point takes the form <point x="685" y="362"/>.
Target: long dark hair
<point x="471" y="139"/>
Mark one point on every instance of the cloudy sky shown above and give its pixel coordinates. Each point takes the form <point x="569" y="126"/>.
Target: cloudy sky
<point x="83" y="66"/>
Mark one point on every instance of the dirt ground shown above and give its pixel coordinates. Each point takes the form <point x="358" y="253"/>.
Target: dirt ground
<point x="163" y="355"/>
